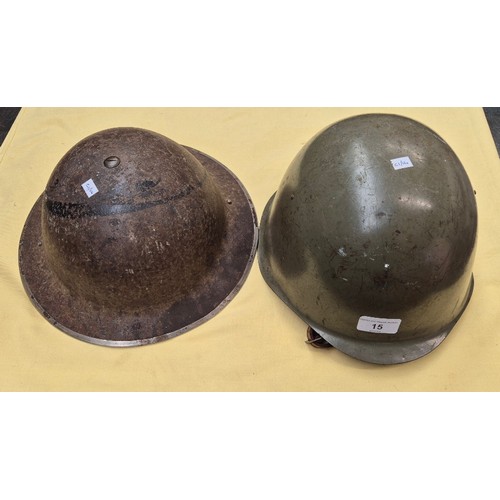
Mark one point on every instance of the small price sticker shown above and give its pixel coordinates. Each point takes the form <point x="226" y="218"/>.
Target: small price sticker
<point x="403" y="162"/>
<point x="90" y="188"/>
<point x="378" y="325"/>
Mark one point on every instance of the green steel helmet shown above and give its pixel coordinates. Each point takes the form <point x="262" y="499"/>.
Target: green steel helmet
<point x="136" y="239"/>
<point x="370" y="238"/>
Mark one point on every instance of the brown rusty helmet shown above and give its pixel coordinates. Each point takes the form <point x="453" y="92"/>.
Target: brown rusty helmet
<point x="370" y="238"/>
<point x="136" y="239"/>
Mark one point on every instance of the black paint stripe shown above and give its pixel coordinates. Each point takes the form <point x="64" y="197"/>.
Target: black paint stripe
<point x="80" y="210"/>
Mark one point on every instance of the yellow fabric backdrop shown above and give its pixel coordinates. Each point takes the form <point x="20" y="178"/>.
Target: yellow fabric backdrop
<point x="255" y="343"/>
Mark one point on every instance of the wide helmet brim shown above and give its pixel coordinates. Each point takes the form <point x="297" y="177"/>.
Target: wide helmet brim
<point x="95" y="323"/>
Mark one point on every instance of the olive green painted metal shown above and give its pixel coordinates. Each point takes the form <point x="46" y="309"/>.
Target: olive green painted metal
<point x="136" y="239"/>
<point x="371" y="237"/>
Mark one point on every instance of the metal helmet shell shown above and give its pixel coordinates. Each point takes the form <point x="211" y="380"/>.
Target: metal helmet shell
<point x="370" y="237"/>
<point x="136" y="239"/>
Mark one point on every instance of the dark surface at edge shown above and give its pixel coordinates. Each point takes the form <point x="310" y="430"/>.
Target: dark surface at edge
<point x="7" y="118"/>
<point x="493" y="119"/>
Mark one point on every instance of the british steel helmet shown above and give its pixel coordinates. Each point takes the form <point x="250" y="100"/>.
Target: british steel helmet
<point x="370" y="238"/>
<point x="136" y="239"/>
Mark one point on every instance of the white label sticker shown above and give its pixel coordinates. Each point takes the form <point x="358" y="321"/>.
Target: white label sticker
<point x="90" y="188"/>
<point x="378" y="325"/>
<point x="403" y="162"/>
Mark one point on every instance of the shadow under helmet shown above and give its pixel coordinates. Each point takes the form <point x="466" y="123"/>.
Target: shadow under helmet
<point x="136" y="239"/>
<point x="370" y="238"/>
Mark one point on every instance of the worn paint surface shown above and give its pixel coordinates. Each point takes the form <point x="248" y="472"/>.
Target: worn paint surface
<point x="375" y="217"/>
<point x="163" y="244"/>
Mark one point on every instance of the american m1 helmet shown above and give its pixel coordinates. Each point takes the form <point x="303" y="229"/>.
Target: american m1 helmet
<point x="370" y="238"/>
<point x="136" y="239"/>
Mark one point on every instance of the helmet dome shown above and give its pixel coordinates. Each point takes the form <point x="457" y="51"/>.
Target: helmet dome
<point x="370" y="237"/>
<point x="138" y="238"/>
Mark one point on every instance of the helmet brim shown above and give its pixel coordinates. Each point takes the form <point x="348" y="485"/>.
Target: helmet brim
<point x="391" y="353"/>
<point x="92" y="322"/>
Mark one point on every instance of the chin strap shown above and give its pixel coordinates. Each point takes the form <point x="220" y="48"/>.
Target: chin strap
<point x="316" y="340"/>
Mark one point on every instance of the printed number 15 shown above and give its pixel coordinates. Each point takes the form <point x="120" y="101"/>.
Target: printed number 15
<point x="377" y="326"/>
